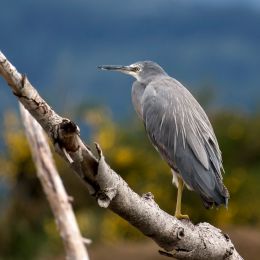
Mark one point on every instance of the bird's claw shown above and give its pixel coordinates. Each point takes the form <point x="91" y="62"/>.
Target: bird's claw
<point x="180" y="216"/>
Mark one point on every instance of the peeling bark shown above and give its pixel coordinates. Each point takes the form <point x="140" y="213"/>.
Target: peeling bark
<point x="180" y="239"/>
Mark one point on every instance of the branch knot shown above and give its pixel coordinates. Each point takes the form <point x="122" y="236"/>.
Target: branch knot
<point x="180" y="233"/>
<point x="66" y="134"/>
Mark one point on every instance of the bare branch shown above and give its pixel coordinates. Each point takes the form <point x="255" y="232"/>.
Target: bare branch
<point x="180" y="239"/>
<point x="54" y="189"/>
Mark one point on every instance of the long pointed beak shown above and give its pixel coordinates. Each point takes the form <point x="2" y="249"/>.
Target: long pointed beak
<point x="116" y="68"/>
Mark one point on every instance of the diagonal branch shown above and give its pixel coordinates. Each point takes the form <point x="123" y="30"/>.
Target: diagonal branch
<point x="54" y="189"/>
<point x="180" y="239"/>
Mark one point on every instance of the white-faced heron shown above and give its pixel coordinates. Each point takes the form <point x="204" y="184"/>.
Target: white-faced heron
<point x="180" y="131"/>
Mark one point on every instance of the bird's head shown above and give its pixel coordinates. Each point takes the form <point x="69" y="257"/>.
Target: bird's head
<point x="143" y="71"/>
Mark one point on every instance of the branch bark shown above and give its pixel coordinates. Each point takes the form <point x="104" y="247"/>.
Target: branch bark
<point x="54" y="189"/>
<point x="180" y="239"/>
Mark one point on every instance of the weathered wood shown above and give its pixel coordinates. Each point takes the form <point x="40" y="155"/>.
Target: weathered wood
<point x="181" y="239"/>
<point x="53" y="187"/>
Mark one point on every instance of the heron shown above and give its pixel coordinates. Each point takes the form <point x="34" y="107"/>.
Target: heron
<point x="180" y="131"/>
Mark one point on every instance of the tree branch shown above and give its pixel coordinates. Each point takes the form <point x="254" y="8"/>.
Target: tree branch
<point x="54" y="189"/>
<point x="181" y="239"/>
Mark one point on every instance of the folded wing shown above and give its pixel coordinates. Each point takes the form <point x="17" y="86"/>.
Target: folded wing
<point x="180" y="130"/>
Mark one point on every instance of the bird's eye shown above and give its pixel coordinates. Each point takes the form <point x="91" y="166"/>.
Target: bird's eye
<point x="136" y="69"/>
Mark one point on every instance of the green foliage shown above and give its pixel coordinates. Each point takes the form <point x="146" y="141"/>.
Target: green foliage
<point x="27" y="227"/>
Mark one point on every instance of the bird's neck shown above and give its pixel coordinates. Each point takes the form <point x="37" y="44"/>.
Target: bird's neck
<point x="149" y="78"/>
<point x="137" y="94"/>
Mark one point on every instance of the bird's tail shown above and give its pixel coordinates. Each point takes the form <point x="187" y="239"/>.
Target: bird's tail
<point x="219" y="196"/>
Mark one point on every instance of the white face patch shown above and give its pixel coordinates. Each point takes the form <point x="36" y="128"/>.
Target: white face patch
<point x="134" y="74"/>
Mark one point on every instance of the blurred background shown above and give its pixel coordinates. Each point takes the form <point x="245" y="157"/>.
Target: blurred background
<point x="212" y="47"/>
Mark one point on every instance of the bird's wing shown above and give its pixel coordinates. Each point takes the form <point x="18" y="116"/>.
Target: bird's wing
<point x="179" y="128"/>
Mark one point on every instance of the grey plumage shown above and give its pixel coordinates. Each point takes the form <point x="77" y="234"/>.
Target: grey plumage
<point x="179" y="129"/>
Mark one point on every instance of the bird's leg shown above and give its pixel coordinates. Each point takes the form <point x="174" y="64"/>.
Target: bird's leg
<point x="179" y="196"/>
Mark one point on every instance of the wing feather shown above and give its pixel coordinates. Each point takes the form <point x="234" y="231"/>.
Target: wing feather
<point x="179" y="128"/>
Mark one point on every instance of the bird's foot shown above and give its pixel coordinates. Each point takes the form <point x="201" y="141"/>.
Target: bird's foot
<point x="180" y="216"/>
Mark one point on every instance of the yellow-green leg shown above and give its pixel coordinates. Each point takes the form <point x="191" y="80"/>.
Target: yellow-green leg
<point x="178" y="204"/>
